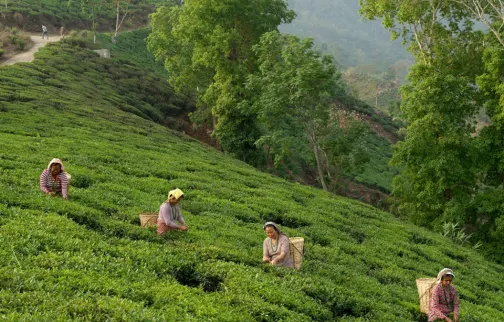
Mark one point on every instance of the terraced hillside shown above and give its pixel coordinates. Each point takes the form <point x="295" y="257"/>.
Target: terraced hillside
<point x="29" y="14"/>
<point x="87" y="259"/>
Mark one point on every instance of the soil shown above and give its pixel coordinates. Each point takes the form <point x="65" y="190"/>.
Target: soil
<point x="28" y="56"/>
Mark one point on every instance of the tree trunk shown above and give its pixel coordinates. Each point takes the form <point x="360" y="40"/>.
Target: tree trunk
<point x="313" y="140"/>
<point x="117" y="20"/>
<point x="94" y="26"/>
<point x="119" y="23"/>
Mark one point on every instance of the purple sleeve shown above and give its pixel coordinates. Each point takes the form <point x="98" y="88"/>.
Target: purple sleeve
<point x="180" y="219"/>
<point x="165" y="215"/>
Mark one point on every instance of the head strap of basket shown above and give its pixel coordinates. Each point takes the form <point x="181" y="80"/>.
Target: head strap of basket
<point x="443" y="272"/>
<point x="275" y="226"/>
<point x="175" y="193"/>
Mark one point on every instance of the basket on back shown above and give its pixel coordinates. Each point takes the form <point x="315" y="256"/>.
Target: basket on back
<point x="148" y="219"/>
<point x="425" y="286"/>
<point x="296" y="251"/>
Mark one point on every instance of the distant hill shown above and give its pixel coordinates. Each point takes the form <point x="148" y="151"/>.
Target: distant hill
<point x="87" y="259"/>
<point x="379" y="64"/>
<point x="338" y="28"/>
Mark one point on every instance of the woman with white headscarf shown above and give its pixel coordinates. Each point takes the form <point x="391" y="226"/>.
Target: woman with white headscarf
<point x="54" y="179"/>
<point x="276" y="248"/>
<point x="444" y="302"/>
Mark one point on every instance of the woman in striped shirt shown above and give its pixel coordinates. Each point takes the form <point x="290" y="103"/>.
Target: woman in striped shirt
<point x="54" y="180"/>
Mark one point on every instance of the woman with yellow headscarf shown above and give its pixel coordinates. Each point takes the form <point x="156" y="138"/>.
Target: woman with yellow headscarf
<point x="170" y="217"/>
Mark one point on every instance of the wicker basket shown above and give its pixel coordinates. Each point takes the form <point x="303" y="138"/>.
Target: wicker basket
<point x="69" y="177"/>
<point x="425" y="286"/>
<point x="148" y="219"/>
<point x="297" y="251"/>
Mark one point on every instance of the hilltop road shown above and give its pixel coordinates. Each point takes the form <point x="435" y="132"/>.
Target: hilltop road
<point x="27" y="56"/>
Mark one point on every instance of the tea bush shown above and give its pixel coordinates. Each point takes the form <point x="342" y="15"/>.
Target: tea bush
<point x="69" y="11"/>
<point x="87" y="258"/>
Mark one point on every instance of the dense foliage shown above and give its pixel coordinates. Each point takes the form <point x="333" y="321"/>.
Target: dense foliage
<point x="132" y="47"/>
<point x="452" y="168"/>
<point x="263" y="111"/>
<point x="88" y="259"/>
<point x="207" y="49"/>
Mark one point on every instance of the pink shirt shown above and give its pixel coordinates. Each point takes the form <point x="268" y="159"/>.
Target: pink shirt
<point x="282" y="247"/>
<point x="444" y="300"/>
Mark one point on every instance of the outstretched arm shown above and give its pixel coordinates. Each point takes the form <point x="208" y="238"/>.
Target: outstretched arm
<point x="64" y="185"/>
<point x="43" y="180"/>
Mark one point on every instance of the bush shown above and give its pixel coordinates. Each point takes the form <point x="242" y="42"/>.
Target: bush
<point x="20" y="44"/>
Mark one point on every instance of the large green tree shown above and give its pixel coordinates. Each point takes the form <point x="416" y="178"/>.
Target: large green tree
<point x="207" y="48"/>
<point x="294" y="93"/>
<point x="453" y="170"/>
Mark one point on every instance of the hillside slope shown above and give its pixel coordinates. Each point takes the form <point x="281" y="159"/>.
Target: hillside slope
<point x="30" y="14"/>
<point x="375" y="174"/>
<point x="88" y="259"/>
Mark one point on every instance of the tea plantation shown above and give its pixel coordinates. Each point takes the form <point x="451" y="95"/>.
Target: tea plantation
<point x="87" y="259"/>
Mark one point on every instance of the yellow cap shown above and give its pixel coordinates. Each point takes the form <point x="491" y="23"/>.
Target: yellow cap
<point x="177" y="193"/>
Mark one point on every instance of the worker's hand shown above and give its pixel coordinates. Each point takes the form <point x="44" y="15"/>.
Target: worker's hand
<point x="447" y="319"/>
<point x="183" y="228"/>
<point x="266" y="260"/>
<point x="273" y="262"/>
<point x="66" y="198"/>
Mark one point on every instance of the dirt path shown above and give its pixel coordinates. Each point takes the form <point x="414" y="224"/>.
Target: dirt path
<point x="27" y="56"/>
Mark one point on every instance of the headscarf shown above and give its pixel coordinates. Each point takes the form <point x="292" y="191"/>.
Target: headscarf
<point x="443" y="272"/>
<point x="56" y="161"/>
<point x="270" y="223"/>
<point x="177" y="193"/>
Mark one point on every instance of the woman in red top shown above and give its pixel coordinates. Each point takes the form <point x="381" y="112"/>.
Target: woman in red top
<point x="54" y="180"/>
<point x="444" y="300"/>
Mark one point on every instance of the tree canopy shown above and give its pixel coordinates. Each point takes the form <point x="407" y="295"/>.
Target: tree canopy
<point x="451" y="156"/>
<point x="207" y="48"/>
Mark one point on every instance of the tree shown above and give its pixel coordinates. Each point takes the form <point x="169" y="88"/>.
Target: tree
<point x="451" y="171"/>
<point x="439" y="104"/>
<point x="293" y="92"/>
<point x="91" y="5"/>
<point x="119" y="21"/>
<point x="207" y="49"/>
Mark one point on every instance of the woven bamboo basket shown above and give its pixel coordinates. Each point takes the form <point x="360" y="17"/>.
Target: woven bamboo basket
<point x="425" y="286"/>
<point x="148" y="219"/>
<point x="297" y="251"/>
